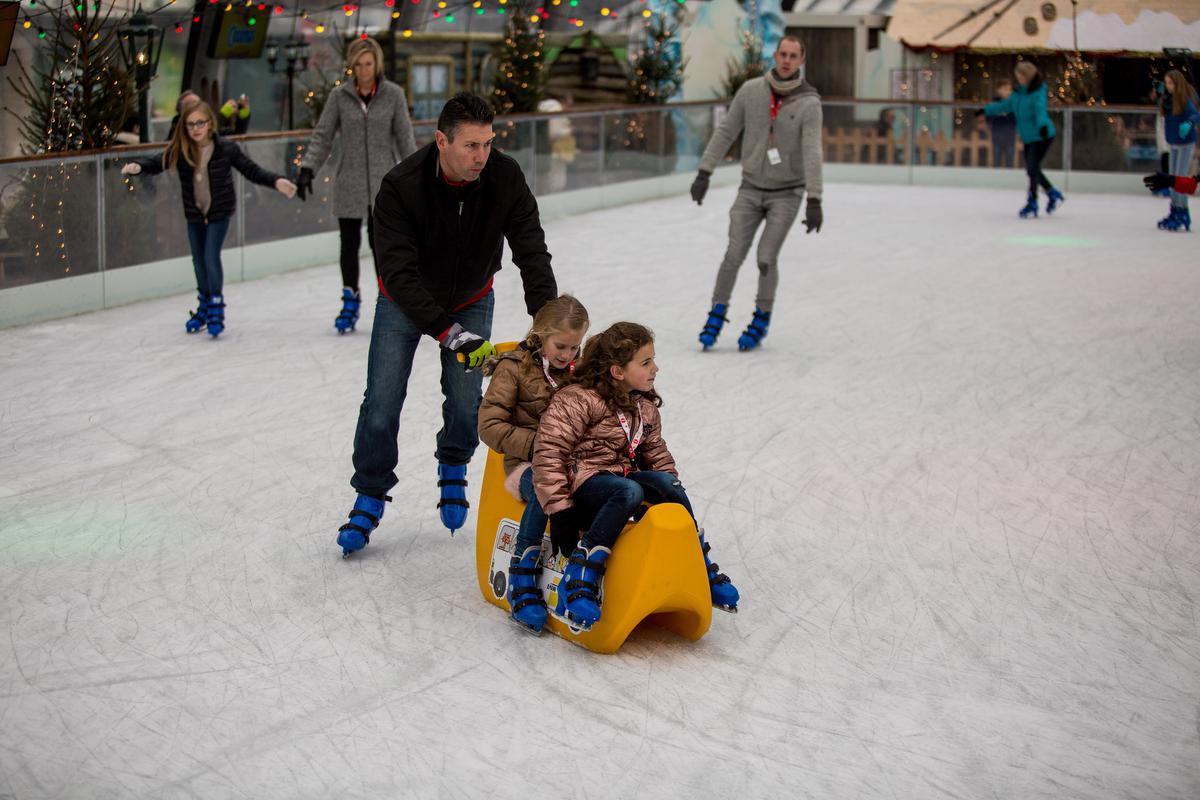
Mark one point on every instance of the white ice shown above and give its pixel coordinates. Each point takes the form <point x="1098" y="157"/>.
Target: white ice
<point x="959" y="490"/>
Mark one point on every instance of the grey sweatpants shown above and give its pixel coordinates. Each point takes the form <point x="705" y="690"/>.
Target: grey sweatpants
<point x="779" y="208"/>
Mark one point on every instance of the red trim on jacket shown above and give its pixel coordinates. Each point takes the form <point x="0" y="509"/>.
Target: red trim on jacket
<point x="482" y="293"/>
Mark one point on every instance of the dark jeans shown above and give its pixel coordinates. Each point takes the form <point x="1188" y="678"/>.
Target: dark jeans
<point x="1003" y="150"/>
<point x="394" y="341"/>
<point x="610" y="500"/>
<point x="533" y="521"/>
<point x="351" y="238"/>
<point x="206" y="239"/>
<point x="1034" y="153"/>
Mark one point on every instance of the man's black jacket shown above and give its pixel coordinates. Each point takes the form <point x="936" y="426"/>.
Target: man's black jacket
<point x="438" y="245"/>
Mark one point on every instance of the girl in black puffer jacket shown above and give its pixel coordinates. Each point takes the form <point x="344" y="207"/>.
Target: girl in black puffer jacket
<point x="205" y="163"/>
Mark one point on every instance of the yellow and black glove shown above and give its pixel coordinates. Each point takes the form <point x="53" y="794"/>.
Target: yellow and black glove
<point x="473" y="348"/>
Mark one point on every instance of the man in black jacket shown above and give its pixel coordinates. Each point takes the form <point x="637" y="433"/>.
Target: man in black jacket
<point x="441" y="217"/>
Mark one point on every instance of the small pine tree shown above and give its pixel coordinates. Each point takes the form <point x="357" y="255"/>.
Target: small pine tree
<point x="749" y="64"/>
<point x="658" y="69"/>
<point x="81" y="99"/>
<point x="520" y="81"/>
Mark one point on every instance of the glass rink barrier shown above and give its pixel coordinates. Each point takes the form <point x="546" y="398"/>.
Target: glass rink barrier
<point x="121" y="238"/>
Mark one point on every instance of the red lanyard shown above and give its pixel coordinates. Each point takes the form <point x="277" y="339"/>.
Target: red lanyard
<point x="634" y="438"/>
<point x="546" y="371"/>
<point x="776" y="104"/>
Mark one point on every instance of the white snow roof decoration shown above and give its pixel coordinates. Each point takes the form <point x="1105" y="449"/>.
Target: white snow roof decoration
<point x="843" y="6"/>
<point x="1099" y="25"/>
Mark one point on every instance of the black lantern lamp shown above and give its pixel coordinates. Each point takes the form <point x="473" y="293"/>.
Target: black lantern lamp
<point x="295" y="60"/>
<point x="141" y="46"/>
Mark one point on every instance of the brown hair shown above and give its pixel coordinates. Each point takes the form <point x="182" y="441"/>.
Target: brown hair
<point x="1183" y="92"/>
<point x="1001" y="83"/>
<point x="360" y="46"/>
<point x="791" y="38"/>
<point x="614" y="347"/>
<point x="181" y="143"/>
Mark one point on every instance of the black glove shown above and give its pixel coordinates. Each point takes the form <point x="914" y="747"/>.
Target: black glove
<point x="700" y="186"/>
<point x="1044" y="132"/>
<point x="1158" y="181"/>
<point x="564" y="531"/>
<point x="813" y="216"/>
<point x="304" y="182"/>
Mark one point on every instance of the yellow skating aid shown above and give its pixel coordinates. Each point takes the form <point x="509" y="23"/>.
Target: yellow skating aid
<point x="656" y="572"/>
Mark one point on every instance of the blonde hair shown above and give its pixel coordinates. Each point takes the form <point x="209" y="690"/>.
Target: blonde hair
<point x="1026" y="70"/>
<point x="563" y="314"/>
<point x="1183" y="92"/>
<point x="181" y="143"/>
<point x="360" y="46"/>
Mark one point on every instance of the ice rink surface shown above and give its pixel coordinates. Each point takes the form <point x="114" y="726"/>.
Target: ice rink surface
<point x="959" y="490"/>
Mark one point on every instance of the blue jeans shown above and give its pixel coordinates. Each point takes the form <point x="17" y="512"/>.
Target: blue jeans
<point x="1180" y="160"/>
<point x="533" y="521"/>
<point x="394" y="341"/>
<point x="610" y="500"/>
<point x="206" y="239"/>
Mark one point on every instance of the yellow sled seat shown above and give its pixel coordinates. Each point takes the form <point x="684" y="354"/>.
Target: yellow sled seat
<point x="656" y="571"/>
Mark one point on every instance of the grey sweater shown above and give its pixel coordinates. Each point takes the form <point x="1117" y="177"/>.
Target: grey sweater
<point x="797" y="135"/>
<point x="374" y="138"/>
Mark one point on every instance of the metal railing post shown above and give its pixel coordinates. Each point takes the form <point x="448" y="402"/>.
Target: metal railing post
<point x="912" y="142"/>
<point x="101" y="239"/>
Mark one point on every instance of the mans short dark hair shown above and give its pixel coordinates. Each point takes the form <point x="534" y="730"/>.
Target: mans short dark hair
<point x="791" y="38"/>
<point x="464" y="108"/>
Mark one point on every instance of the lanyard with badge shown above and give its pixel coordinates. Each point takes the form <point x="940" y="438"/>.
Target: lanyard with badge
<point x="546" y="371"/>
<point x="773" y="157"/>
<point x="634" y="439"/>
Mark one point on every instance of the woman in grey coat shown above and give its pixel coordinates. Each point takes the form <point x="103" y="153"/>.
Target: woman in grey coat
<point x="372" y="114"/>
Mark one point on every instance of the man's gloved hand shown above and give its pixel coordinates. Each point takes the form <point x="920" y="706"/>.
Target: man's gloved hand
<point x="564" y="531"/>
<point x="813" y="216"/>
<point x="474" y="348"/>
<point x="304" y="182"/>
<point x="700" y="186"/>
<point x="1158" y="181"/>
<point x="1044" y="132"/>
<point x="228" y="108"/>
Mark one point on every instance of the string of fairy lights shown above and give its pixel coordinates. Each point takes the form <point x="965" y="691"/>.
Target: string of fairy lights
<point x="444" y="11"/>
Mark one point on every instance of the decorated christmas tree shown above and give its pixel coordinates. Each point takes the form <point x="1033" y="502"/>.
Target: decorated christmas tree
<point x="520" y="80"/>
<point x="80" y="100"/>
<point x="749" y="64"/>
<point x="658" y="69"/>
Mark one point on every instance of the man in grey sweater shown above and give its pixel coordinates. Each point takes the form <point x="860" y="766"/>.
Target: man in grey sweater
<point x="779" y="119"/>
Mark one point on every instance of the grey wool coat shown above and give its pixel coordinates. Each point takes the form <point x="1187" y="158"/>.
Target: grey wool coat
<point x="374" y="138"/>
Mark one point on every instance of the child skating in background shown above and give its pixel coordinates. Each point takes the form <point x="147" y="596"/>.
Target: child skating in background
<point x="522" y="383"/>
<point x="1178" y="109"/>
<point x="205" y="162"/>
<point x="599" y="453"/>
<point x="1028" y="104"/>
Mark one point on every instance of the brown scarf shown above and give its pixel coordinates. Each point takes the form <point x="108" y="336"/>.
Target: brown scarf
<point x="783" y="87"/>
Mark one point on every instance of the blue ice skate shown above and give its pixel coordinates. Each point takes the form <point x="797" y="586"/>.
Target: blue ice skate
<point x="364" y="518"/>
<point x="756" y="331"/>
<point x="1030" y="210"/>
<point x="347" y="318"/>
<point x="1054" y="200"/>
<point x="712" y="328"/>
<point x="199" y="317"/>
<point x="216" y="315"/>
<point x="452" y="480"/>
<point x="579" y="587"/>
<point x="724" y="595"/>
<point x="525" y="600"/>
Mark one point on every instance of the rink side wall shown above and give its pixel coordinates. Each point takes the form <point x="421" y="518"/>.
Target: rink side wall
<point x="79" y="294"/>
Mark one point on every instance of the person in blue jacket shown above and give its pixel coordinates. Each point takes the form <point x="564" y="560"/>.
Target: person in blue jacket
<point x="1180" y="118"/>
<point x="1028" y="104"/>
